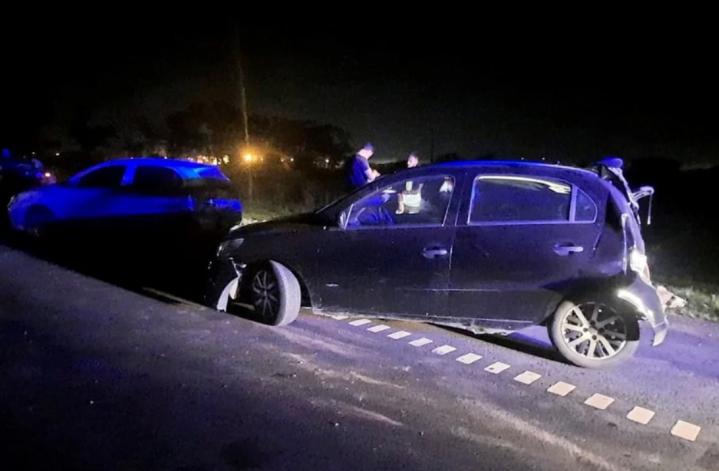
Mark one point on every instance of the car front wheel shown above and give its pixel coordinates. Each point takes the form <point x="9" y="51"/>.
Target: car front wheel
<point x="592" y="334"/>
<point x="275" y="294"/>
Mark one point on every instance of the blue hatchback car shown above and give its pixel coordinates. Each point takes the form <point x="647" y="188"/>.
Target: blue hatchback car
<point x="131" y="194"/>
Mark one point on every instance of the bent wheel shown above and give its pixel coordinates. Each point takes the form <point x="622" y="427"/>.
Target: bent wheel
<point x="592" y="334"/>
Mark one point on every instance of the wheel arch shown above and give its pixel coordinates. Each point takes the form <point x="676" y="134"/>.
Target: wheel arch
<point x="604" y="293"/>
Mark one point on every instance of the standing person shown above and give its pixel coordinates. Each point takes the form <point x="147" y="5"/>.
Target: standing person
<point x="360" y="172"/>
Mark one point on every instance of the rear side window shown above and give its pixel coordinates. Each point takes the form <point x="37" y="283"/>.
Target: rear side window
<point x="506" y="199"/>
<point x="156" y="179"/>
<point x="105" y="177"/>
<point x="585" y="209"/>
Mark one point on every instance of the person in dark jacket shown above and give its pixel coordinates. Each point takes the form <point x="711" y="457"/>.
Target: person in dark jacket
<point x="359" y="171"/>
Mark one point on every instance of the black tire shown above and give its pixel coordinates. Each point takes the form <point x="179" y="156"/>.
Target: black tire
<point x="276" y="294"/>
<point x="37" y="220"/>
<point x="592" y="334"/>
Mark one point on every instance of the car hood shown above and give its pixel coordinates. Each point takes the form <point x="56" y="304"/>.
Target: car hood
<point x="294" y="223"/>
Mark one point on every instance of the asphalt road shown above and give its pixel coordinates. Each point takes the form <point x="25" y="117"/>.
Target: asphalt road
<point x="95" y="376"/>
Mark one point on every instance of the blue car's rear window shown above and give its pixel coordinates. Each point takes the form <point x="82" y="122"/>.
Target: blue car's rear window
<point x="211" y="173"/>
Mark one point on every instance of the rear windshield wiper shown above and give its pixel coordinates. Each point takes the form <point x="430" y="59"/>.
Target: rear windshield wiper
<point x="643" y="192"/>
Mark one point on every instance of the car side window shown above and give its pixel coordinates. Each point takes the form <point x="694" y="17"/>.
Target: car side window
<point x="416" y="201"/>
<point x="156" y="180"/>
<point x="585" y="208"/>
<point x="105" y="177"/>
<point x="515" y="199"/>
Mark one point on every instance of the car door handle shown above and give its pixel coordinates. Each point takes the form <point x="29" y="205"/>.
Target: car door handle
<point x="567" y="249"/>
<point x="434" y="252"/>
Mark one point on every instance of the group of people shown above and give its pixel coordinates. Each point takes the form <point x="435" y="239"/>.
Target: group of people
<point x="409" y="198"/>
<point x="360" y="172"/>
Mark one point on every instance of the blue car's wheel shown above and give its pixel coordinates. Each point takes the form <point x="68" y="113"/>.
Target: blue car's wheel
<point x="37" y="220"/>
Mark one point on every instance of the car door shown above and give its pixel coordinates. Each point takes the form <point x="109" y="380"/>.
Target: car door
<point x="90" y="196"/>
<point x="154" y="201"/>
<point x="388" y="257"/>
<point x="521" y="241"/>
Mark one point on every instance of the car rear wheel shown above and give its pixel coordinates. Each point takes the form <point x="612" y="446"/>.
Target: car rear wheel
<point x="592" y="334"/>
<point x="275" y="294"/>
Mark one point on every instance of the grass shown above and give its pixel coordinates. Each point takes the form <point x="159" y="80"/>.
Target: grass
<point x="260" y="212"/>
<point x="702" y="299"/>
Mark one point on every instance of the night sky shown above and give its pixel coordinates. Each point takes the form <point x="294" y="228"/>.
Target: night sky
<point x="475" y="90"/>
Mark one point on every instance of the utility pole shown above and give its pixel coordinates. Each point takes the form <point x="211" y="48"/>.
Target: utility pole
<point x="243" y="98"/>
<point x="243" y="109"/>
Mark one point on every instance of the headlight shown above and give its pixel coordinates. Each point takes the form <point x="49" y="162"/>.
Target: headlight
<point x="638" y="263"/>
<point x="228" y="246"/>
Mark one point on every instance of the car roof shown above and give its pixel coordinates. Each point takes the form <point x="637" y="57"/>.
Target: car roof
<point x="512" y="164"/>
<point x="161" y="162"/>
<point x="187" y="169"/>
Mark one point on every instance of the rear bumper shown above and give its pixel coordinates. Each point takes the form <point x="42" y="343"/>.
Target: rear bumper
<point x="643" y="298"/>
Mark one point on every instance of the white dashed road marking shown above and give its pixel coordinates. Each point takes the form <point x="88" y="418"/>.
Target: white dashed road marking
<point x="420" y="342"/>
<point x="340" y="317"/>
<point x="378" y="328"/>
<point x="681" y="429"/>
<point x="561" y="388"/>
<point x="444" y="349"/>
<point x="469" y="358"/>
<point x="360" y="322"/>
<point x="686" y="430"/>
<point x="496" y="368"/>
<point x="599" y="401"/>
<point x="400" y="334"/>
<point x="528" y="377"/>
<point x="640" y="415"/>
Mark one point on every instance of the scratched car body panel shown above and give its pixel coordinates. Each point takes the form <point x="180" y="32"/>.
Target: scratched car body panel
<point x="490" y="246"/>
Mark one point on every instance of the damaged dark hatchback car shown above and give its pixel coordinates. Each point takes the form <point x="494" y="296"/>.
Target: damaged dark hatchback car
<point x="488" y="246"/>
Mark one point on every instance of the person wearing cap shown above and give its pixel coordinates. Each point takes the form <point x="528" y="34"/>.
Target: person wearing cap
<point x="360" y="172"/>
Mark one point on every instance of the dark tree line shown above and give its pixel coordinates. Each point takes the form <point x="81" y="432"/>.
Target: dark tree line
<point x="210" y="129"/>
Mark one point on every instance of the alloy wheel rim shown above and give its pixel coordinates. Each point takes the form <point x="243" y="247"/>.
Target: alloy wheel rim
<point x="265" y="291"/>
<point x="594" y="331"/>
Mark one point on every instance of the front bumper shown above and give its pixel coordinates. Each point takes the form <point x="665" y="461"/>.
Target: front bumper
<point x="221" y="272"/>
<point x="643" y="298"/>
